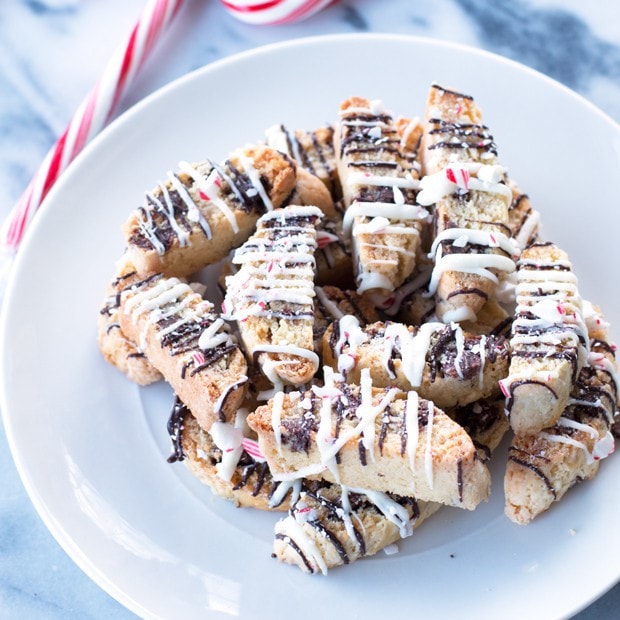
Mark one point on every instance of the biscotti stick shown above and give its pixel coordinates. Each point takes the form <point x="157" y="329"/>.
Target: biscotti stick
<point x="441" y="362"/>
<point x="187" y="342"/>
<point x="472" y="246"/>
<point x="379" y="186"/>
<point x="271" y="296"/>
<point x="549" y="339"/>
<point x="197" y="215"/>
<point x="115" y="346"/>
<point x="370" y="438"/>
<point x="314" y="150"/>
<point x="543" y="466"/>
<point x="330" y="525"/>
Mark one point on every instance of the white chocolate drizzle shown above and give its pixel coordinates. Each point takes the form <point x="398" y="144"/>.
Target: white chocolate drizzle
<point x="166" y="208"/>
<point x="277" y="497"/>
<point x="460" y="178"/>
<point x="334" y="311"/>
<point x="308" y="547"/>
<point x="401" y="212"/>
<point x="462" y="236"/>
<point x="428" y="450"/>
<point x="601" y="449"/>
<point x="391" y="510"/>
<point x="549" y="309"/>
<point x="277" y="266"/>
<point x="228" y="439"/>
<point x="412" y="423"/>
<point x="210" y="187"/>
<point x="477" y="264"/>
<point x="254" y="177"/>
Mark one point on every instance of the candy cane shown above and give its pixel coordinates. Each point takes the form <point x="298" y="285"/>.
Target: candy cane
<point x="99" y="105"/>
<point x="272" y="12"/>
<point x="92" y="115"/>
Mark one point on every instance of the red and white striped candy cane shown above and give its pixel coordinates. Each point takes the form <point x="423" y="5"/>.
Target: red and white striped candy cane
<point x="92" y="115"/>
<point x="272" y="12"/>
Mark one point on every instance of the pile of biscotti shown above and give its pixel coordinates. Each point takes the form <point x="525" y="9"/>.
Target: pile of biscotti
<point x="390" y="312"/>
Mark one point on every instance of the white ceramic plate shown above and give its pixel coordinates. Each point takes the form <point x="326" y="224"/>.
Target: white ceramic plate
<point x="91" y="447"/>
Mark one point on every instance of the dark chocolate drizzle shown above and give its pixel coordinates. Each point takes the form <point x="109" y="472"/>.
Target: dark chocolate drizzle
<point x="515" y="384"/>
<point x="458" y="136"/>
<point x="295" y="547"/>
<point x="451" y="92"/>
<point x="525" y="462"/>
<point x="175" y="429"/>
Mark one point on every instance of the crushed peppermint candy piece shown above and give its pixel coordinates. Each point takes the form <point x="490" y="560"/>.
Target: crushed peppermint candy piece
<point x="251" y="447"/>
<point x="604" y="447"/>
<point x="505" y="388"/>
<point x="458" y="176"/>
<point x="324" y="238"/>
<point x="199" y="358"/>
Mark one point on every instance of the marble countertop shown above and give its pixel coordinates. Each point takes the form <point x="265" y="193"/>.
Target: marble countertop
<point x="51" y="53"/>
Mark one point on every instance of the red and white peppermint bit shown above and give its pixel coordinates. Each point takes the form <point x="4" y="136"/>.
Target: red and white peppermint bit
<point x="92" y="115"/>
<point x="199" y="358"/>
<point x="324" y="238"/>
<point x="251" y="447"/>
<point x="458" y="176"/>
<point x="504" y="388"/>
<point x="272" y="12"/>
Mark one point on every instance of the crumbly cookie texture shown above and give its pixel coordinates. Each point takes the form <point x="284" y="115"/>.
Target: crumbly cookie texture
<point x="312" y="150"/>
<point x="441" y="362"/>
<point x="309" y="191"/>
<point x="549" y="339"/>
<point x="379" y="183"/>
<point x="492" y="318"/>
<point x="187" y="342"/>
<point x="473" y="246"/>
<point x="373" y="439"/>
<point x="543" y="466"/>
<point x="116" y="348"/>
<point x="271" y="296"/>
